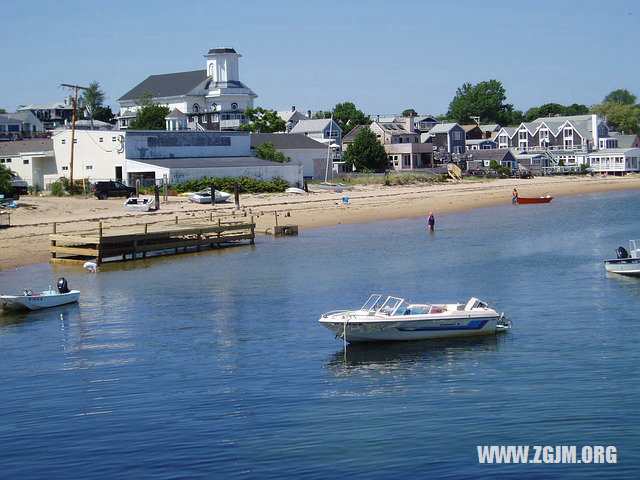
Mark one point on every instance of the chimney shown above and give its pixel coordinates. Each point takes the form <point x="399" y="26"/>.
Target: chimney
<point x="293" y="108"/>
<point x="410" y="127"/>
<point x="309" y="114"/>
<point x="594" y="131"/>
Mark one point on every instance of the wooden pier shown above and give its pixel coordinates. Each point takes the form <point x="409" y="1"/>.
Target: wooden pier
<point x="133" y="242"/>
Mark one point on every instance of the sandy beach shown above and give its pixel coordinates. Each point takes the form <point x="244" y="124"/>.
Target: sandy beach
<point x="26" y="241"/>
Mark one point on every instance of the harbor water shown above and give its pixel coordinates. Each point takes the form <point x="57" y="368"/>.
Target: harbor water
<point x="213" y="364"/>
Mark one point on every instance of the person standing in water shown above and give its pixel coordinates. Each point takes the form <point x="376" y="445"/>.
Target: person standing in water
<point x="514" y="197"/>
<point x="431" y="222"/>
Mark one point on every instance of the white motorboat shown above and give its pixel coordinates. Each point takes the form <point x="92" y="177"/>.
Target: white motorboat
<point x="627" y="263"/>
<point x="35" y="301"/>
<point x="141" y="204"/>
<point x="296" y="190"/>
<point x="394" y="319"/>
<point x="204" y="196"/>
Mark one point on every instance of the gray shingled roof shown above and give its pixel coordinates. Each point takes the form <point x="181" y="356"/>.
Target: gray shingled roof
<point x="284" y="141"/>
<point x="167" y="85"/>
<point x="17" y="147"/>
<point x="315" y="125"/>
<point x="442" y="128"/>
<point x="625" y="141"/>
<point x="497" y="154"/>
<point x="213" y="162"/>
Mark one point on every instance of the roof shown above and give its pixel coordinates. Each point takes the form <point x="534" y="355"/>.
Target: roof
<point x="221" y="50"/>
<point x="442" y="128"/>
<point x="11" y="118"/>
<point x="316" y="125"/>
<point x="510" y="131"/>
<point x="625" y="141"/>
<point x="497" y="154"/>
<point x="612" y="151"/>
<point x="167" y="85"/>
<point x="393" y="128"/>
<point x="287" y="114"/>
<point x="491" y="127"/>
<point x="285" y="141"/>
<point x="213" y="162"/>
<point x="349" y="137"/>
<point x="175" y="113"/>
<point x="46" y="106"/>
<point x="468" y="128"/>
<point x="17" y="147"/>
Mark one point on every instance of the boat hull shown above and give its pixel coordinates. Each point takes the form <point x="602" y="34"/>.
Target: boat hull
<point x="623" y="266"/>
<point x="527" y="200"/>
<point x="418" y="329"/>
<point x="38" y="301"/>
<point x="199" y="198"/>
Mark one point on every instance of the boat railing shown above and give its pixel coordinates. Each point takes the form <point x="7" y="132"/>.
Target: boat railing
<point x="333" y="312"/>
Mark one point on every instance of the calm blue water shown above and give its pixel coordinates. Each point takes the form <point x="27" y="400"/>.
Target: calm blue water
<point x="213" y="365"/>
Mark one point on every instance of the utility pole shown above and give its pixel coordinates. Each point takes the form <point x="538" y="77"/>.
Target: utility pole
<point x="73" y="129"/>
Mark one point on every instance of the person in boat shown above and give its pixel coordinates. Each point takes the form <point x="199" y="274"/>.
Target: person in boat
<point x="431" y="222"/>
<point x="514" y="197"/>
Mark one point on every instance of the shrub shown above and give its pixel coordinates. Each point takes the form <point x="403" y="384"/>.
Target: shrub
<point x="245" y="184"/>
<point x="58" y="188"/>
<point x="35" y="189"/>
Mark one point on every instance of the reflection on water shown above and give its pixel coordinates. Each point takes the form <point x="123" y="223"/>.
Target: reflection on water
<point x="388" y="356"/>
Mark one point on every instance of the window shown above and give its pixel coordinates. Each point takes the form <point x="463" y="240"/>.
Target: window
<point x="65" y="169"/>
<point x="234" y="106"/>
<point x="113" y="139"/>
<point x="457" y="135"/>
<point x="196" y="108"/>
<point x="89" y="167"/>
<point x="75" y="140"/>
<point x="100" y="139"/>
<point x="486" y="163"/>
<point x="1" y="160"/>
<point x="406" y="161"/>
<point x="457" y="149"/>
<point x="63" y="141"/>
<point x="25" y="161"/>
<point x="399" y="139"/>
<point x="522" y="135"/>
<point x="8" y="160"/>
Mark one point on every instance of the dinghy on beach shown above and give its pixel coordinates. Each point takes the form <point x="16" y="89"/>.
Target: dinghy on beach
<point x="204" y="196"/>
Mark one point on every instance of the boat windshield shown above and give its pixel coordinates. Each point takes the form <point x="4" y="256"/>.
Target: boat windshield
<point x="373" y="303"/>
<point x="634" y="246"/>
<point x="390" y="305"/>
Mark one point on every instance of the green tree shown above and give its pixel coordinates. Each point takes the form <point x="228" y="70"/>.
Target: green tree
<point x="150" y="116"/>
<point x="104" y="114"/>
<point x="485" y="100"/>
<point x="263" y="121"/>
<point x="552" y="109"/>
<point x="625" y="118"/>
<point x="365" y="152"/>
<point x="576" y="109"/>
<point x="621" y="96"/>
<point x="267" y="151"/>
<point x="5" y="176"/>
<point x="347" y="116"/>
<point x="320" y="115"/>
<point x="2" y="110"/>
<point x="408" y="112"/>
<point x="92" y="99"/>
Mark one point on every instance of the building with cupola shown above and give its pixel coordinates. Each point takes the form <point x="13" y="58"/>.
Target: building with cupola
<point x="209" y="99"/>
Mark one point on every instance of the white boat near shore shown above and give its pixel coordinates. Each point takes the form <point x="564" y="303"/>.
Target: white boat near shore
<point x="141" y="204"/>
<point x="394" y="319"/>
<point x="36" y="301"/>
<point x="627" y="263"/>
<point x="204" y="196"/>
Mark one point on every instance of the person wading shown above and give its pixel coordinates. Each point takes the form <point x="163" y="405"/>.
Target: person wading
<point x="431" y="222"/>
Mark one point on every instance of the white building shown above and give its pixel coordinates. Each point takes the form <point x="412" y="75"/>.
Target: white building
<point x="212" y="99"/>
<point x="302" y="150"/>
<point x="149" y="155"/>
<point x="323" y="130"/>
<point x="32" y="160"/>
<point x="613" y="160"/>
<point x="292" y="117"/>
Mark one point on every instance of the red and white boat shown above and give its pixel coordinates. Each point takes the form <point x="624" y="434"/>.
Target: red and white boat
<point x="524" y="200"/>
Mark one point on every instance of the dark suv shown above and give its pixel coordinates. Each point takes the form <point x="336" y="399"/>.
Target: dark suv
<point x="104" y="190"/>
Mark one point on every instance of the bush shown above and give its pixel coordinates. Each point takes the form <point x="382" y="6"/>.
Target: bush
<point x="35" y="189"/>
<point x="57" y="187"/>
<point x="226" y="184"/>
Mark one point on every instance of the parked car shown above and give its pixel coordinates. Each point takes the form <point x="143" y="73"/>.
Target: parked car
<point x="18" y="187"/>
<point x="104" y="190"/>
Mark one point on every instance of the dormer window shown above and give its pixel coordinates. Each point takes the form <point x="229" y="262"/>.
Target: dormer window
<point x="234" y="106"/>
<point x="196" y="108"/>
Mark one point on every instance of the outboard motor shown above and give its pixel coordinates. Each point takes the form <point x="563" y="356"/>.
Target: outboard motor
<point x="62" y="285"/>
<point x="621" y="252"/>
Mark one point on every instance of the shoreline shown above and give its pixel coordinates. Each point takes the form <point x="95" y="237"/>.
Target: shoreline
<point x="27" y="241"/>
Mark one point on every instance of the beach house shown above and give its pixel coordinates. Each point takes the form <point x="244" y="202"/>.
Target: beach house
<point x="402" y="144"/>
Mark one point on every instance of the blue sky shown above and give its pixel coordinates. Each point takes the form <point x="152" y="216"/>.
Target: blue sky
<point x="384" y="56"/>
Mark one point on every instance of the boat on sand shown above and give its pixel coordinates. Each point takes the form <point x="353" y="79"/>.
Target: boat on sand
<point x="204" y="196"/>
<point x="35" y="301"/>
<point x="394" y="319"/>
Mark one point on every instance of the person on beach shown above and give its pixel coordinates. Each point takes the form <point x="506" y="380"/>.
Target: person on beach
<point x="431" y="222"/>
<point x="514" y="197"/>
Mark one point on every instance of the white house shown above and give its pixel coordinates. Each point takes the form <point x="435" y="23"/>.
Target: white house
<point x="302" y="150"/>
<point x="617" y="161"/>
<point x="32" y="160"/>
<point x="323" y="130"/>
<point x="212" y="99"/>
